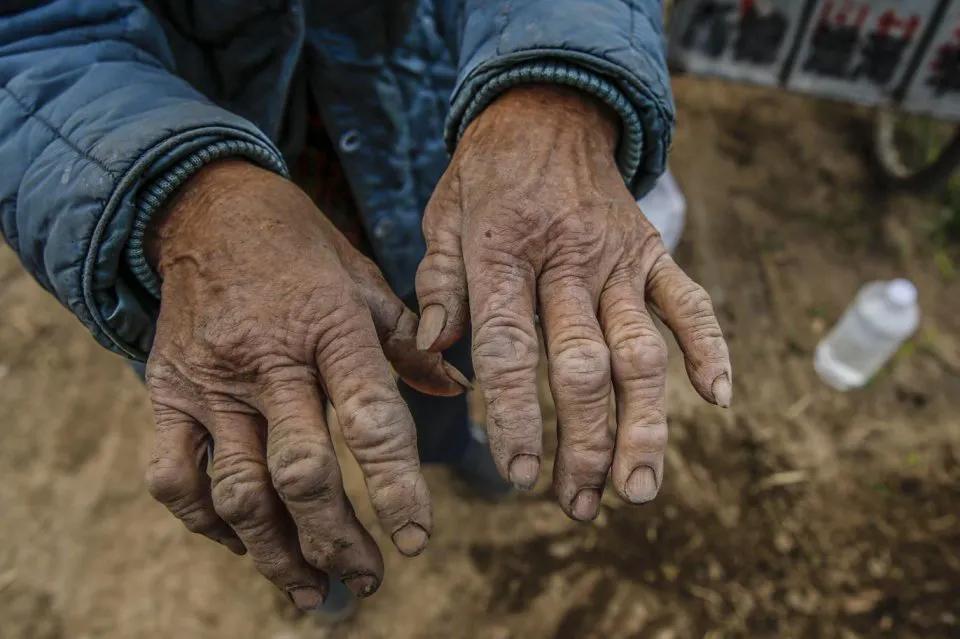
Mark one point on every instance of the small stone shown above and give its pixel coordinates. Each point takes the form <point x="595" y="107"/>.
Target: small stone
<point x="562" y="549"/>
<point x="862" y="602"/>
<point x="783" y="542"/>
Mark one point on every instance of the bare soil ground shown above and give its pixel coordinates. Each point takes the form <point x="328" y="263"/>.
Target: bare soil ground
<point x="801" y="512"/>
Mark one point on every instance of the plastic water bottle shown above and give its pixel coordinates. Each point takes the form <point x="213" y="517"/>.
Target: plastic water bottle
<point x="880" y="319"/>
<point x="665" y="208"/>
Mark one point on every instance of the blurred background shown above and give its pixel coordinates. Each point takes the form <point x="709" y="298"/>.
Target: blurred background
<point x="800" y="512"/>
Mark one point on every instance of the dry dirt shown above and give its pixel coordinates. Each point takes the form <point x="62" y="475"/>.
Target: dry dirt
<point x="801" y="512"/>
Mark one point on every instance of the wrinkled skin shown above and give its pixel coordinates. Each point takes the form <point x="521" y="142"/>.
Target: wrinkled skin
<point x="266" y="313"/>
<point x="532" y="216"/>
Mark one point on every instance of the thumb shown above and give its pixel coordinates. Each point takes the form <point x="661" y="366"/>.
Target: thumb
<point x="396" y="327"/>
<point x="441" y="278"/>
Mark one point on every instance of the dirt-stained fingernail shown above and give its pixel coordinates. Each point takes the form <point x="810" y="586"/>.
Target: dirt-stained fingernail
<point x="411" y="539"/>
<point x="722" y="390"/>
<point x="524" y="469"/>
<point x="641" y="485"/>
<point x="454" y="373"/>
<point x="586" y="504"/>
<point x="305" y="598"/>
<point x="361" y="584"/>
<point x="432" y="320"/>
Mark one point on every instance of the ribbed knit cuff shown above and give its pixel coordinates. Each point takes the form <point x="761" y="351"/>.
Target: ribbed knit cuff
<point x="151" y="198"/>
<point x="468" y="105"/>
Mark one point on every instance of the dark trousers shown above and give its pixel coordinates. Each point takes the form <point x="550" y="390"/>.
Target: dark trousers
<point x="443" y="424"/>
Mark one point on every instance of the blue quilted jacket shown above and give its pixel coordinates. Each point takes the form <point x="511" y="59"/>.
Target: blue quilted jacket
<point x="106" y="106"/>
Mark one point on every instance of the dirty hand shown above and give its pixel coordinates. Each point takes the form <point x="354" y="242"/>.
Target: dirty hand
<point x="532" y="216"/>
<point x="266" y="313"/>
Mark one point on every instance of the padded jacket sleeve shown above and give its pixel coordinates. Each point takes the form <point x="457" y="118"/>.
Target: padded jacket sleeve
<point x="95" y="130"/>
<point x="613" y="49"/>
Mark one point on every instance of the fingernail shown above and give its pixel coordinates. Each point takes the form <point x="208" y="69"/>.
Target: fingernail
<point x="234" y="545"/>
<point x="305" y="598"/>
<point x="524" y="469"/>
<point x="722" y="390"/>
<point x="586" y="504"/>
<point x="432" y="320"/>
<point x="411" y="539"/>
<point x="361" y="585"/>
<point x="454" y="374"/>
<point x="641" y="485"/>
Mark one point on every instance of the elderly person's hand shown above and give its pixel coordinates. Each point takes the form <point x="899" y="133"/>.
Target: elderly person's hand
<point x="532" y="216"/>
<point x="267" y="312"/>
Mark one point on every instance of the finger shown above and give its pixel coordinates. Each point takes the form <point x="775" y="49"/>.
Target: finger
<point x="177" y="477"/>
<point x="397" y="329"/>
<point x="686" y="309"/>
<point x="306" y="475"/>
<point x="579" y="371"/>
<point x="441" y="279"/>
<point x="376" y="424"/>
<point x="505" y="355"/>
<point x="638" y="358"/>
<point x="244" y="497"/>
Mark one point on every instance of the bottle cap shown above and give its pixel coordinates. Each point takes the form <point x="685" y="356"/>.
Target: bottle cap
<point x="901" y="292"/>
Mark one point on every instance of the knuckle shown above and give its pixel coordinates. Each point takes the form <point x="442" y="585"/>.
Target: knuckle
<point x="709" y="337"/>
<point x="694" y="302"/>
<point x="156" y="380"/>
<point x="167" y="483"/>
<point x="401" y="496"/>
<point x="197" y="518"/>
<point x="240" y="494"/>
<point x="327" y="551"/>
<point x="338" y="300"/>
<point x="340" y="312"/>
<point x="158" y="369"/>
<point x="442" y="243"/>
<point x="439" y="272"/>
<point x="349" y="341"/>
<point x="697" y="312"/>
<point x="649" y="437"/>
<point x="660" y="268"/>
<point x="165" y="416"/>
<point x="585" y="461"/>
<point x="576" y="249"/>
<point x="443" y="201"/>
<point x="312" y="475"/>
<point x="222" y="338"/>
<point x="513" y="421"/>
<point x="504" y="346"/>
<point x="590" y="441"/>
<point x="581" y="363"/>
<point x="643" y="350"/>
<point x="651" y="249"/>
<point x="162" y="382"/>
<point x="282" y="387"/>
<point x="591" y="453"/>
<point x="277" y="566"/>
<point x="377" y="423"/>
